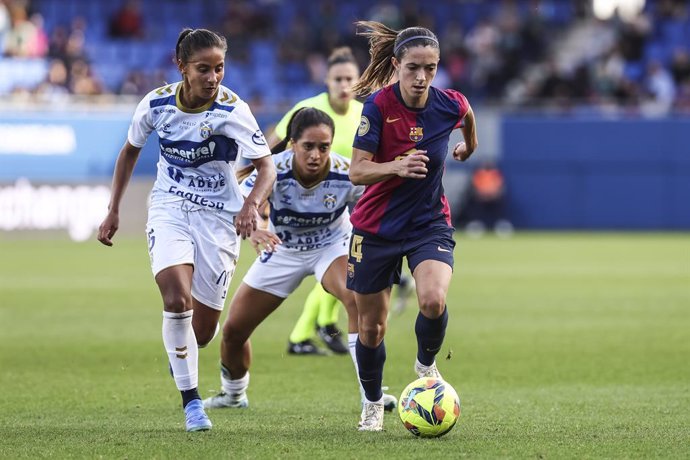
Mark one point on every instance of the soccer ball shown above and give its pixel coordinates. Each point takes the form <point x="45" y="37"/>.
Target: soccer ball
<point x="429" y="407"/>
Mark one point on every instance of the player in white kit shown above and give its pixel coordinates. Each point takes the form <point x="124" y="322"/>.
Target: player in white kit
<point x="197" y="213"/>
<point x="308" y="234"/>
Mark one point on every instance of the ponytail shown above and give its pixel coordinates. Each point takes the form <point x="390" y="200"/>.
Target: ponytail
<point x="385" y="43"/>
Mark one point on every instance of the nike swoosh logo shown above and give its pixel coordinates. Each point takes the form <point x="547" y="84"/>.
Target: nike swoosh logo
<point x="443" y="250"/>
<point x="391" y="120"/>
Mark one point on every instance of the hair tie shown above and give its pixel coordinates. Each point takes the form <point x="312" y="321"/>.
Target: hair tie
<point x="415" y="37"/>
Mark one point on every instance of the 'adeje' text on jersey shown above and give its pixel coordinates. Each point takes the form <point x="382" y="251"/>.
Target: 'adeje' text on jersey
<point x="207" y="183"/>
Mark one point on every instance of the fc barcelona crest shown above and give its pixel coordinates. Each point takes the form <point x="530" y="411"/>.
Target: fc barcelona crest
<point x="205" y="130"/>
<point x="416" y="133"/>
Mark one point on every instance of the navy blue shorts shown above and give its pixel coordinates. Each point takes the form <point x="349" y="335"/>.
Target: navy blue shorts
<point x="375" y="264"/>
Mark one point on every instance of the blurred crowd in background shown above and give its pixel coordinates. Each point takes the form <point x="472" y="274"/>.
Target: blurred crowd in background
<point x="514" y="53"/>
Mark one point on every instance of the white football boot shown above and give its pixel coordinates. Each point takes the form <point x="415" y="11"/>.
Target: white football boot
<point x="225" y="400"/>
<point x="390" y="402"/>
<point x="427" y="371"/>
<point x="372" y="416"/>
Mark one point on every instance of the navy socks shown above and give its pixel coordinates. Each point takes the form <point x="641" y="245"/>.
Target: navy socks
<point x="370" y="362"/>
<point x="430" y="334"/>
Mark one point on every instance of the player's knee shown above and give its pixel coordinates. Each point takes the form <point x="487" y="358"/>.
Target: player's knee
<point x="432" y="304"/>
<point x="203" y="338"/>
<point x="177" y="302"/>
<point x="371" y="333"/>
<point x="202" y="342"/>
<point x="233" y="335"/>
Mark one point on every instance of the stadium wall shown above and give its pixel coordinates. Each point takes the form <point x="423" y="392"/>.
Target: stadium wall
<point x="561" y="173"/>
<point x="597" y="173"/>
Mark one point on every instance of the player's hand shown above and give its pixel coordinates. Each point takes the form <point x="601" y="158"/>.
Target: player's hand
<point x="413" y="166"/>
<point x="460" y="152"/>
<point x="108" y="227"/>
<point x="246" y="220"/>
<point x="264" y="240"/>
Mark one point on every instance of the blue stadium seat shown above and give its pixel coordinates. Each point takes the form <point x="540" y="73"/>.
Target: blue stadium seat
<point x="634" y="70"/>
<point x="657" y="51"/>
<point x="111" y="74"/>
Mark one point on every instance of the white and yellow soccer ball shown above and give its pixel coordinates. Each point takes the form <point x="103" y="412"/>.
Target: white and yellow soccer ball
<point x="429" y="407"/>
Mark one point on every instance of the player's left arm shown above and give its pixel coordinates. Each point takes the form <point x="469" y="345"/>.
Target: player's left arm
<point x="463" y="150"/>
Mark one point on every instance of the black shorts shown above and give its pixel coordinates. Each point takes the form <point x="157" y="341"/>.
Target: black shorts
<point x="375" y="264"/>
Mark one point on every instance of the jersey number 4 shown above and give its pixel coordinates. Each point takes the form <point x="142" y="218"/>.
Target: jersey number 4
<point x="356" y="247"/>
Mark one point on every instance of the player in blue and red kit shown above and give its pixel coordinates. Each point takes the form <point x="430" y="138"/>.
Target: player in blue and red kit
<point x="399" y="154"/>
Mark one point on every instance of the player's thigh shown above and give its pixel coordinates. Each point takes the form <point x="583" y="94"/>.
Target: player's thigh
<point x="432" y="279"/>
<point x="174" y="284"/>
<point x="431" y="261"/>
<point x="216" y="246"/>
<point x="334" y="283"/>
<point x="331" y="269"/>
<point x="333" y="280"/>
<point x="248" y="308"/>
<point x="170" y="244"/>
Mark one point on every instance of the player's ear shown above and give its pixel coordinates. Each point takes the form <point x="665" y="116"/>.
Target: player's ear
<point x="396" y="63"/>
<point x="180" y="65"/>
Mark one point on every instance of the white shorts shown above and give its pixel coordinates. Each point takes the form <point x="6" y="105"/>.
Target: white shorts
<point x="280" y="272"/>
<point x="182" y="234"/>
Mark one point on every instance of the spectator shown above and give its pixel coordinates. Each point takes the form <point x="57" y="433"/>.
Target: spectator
<point x="661" y="89"/>
<point x="24" y="39"/>
<point x="680" y="65"/>
<point x="135" y="83"/>
<point x="82" y="81"/>
<point x="5" y="23"/>
<point x="486" y="206"/>
<point x="127" y="21"/>
<point x="54" y="87"/>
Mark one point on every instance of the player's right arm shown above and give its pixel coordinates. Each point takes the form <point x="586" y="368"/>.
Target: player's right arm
<point x="138" y="132"/>
<point x="365" y="171"/>
<point x="124" y="166"/>
<point x="261" y="239"/>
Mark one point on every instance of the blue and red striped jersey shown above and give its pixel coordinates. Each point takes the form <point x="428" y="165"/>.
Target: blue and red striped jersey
<point x="399" y="208"/>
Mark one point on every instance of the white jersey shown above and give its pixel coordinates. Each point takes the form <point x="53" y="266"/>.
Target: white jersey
<point x="198" y="148"/>
<point x="309" y="218"/>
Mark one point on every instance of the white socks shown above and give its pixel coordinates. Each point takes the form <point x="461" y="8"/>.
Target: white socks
<point x="351" y="342"/>
<point x="180" y="344"/>
<point x="234" y="388"/>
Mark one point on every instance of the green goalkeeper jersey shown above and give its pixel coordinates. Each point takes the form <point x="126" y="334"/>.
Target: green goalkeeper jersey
<point x="345" y="125"/>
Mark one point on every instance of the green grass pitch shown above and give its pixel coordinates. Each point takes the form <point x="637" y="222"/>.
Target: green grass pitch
<point x="563" y="346"/>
